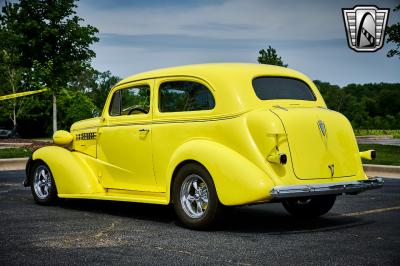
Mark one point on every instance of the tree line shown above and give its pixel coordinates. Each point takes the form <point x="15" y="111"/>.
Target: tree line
<point x="367" y="106"/>
<point x="43" y="43"/>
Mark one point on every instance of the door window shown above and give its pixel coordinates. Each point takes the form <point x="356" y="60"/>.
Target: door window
<point x="130" y="101"/>
<point x="181" y="96"/>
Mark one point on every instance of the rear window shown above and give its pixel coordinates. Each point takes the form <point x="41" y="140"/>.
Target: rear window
<point x="274" y="88"/>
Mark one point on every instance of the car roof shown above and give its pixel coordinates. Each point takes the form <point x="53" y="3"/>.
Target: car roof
<point x="231" y="83"/>
<point x="216" y="70"/>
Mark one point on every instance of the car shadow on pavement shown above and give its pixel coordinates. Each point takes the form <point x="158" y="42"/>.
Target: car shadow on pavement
<point x="273" y="220"/>
<point x="266" y="218"/>
<point x="140" y="211"/>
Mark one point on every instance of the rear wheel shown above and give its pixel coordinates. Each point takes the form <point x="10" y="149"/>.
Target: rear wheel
<point x="309" y="207"/>
<point x="195" y="198"/>
<point x="43" y="187"/>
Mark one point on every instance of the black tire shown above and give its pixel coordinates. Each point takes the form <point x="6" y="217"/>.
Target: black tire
<point x="309" y="207"/>
<point x="182" y="207"/>
<point x="43" y="186"/>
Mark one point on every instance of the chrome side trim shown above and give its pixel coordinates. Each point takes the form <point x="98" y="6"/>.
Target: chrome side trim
<point x="149" y="121"/>
<point x="352" y="187"/>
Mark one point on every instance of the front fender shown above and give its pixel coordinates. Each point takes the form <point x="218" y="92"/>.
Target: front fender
<point x="70" y="170"/>
<point x="237" y="180"/>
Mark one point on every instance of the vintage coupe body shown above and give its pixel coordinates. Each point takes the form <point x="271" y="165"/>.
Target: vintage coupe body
<point x="206" y="136"/>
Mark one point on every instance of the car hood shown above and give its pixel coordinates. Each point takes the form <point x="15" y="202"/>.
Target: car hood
<point x="86" y="124"/>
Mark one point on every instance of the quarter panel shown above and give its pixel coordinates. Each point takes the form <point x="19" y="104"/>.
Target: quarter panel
<point x="237" y="180"/>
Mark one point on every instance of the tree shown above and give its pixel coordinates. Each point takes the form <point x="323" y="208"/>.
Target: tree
<point x="270" y="57"/>
<point x="10" y="72"/>
<point x="105" y="81"/>
<point x="12" y="75"/>
<point x="74" y="106"/>
<point x="333" y="95"/>
<point x="393" y="33"/>
<point x="95" y="84"/>
<point x="367" y="106"/>
<point x="52" y="38"/>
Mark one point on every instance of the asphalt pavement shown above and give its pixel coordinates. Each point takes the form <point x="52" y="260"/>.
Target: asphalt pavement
<point x="359" y="230"/>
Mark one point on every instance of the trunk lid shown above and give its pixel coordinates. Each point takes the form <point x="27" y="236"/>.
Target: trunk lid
<point x="321" y="142"/>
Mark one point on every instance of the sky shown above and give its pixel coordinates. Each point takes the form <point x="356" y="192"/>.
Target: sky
<point x="141" y="35"/>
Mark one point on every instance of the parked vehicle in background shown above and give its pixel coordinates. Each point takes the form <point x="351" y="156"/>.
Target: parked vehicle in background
<point x="5" y="133"/>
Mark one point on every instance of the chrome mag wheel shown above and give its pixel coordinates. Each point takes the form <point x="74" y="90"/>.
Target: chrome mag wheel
<point x="194" y="196"/>
<point x="42" y="182"/>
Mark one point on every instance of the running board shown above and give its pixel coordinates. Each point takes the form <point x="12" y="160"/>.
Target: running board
<point x="123" y="195"/>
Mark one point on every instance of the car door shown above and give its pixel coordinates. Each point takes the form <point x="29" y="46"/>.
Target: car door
<point x="181" y="107"/>
<point x="124" y="141"/>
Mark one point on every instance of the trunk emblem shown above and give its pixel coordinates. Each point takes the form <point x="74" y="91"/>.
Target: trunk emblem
<point x="322" y="127"/>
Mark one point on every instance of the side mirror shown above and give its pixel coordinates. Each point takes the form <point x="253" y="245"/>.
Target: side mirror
<point x="95" y="112"/>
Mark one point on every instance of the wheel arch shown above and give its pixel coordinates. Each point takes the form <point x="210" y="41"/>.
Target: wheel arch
<point x="71" y="172"/>
<point x="237" y="180"/>
<point x="176" y="170"/>
<point x="28" y="170"/>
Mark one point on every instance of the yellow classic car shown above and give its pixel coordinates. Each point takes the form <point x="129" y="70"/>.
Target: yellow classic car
<point x="206" y="136"/>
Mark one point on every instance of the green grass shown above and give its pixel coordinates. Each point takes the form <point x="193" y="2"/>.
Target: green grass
<point x="362" y="132"/>
<point x="14" y="153"/>
<point x="385" y="154"/>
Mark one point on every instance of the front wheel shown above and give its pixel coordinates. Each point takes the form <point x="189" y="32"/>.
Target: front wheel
<point x="194" y="197"/>
<point x="309" y="207"/>
<point x="43" y="187"/>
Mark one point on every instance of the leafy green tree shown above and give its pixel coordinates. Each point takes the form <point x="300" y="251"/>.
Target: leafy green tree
<point x="393" y="33"/>
<point x="74" y="106"/>
<point x="13" y="78"/>
<point x="85" y="81"/>
<point x="367" y="106"/>
<point x="333" y="95"/>
<point x="95" y="84"/>
<point x="104" y="82"/>
<point x="10" y="73"/>
<point x="35" y="116"/>
<point x="270" y="57"/>
<point x="53" y="38"/>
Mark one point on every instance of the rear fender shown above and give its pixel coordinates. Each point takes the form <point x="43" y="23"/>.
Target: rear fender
<point x="70" y="170"/>
<point x="237" y="180"/>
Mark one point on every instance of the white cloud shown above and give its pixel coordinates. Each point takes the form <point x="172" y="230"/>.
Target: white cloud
<point x="231" y="19"/>
<point x="309" y="35"/>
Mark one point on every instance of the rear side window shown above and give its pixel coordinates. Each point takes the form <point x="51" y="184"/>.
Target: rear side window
<point x="181" y="96"/>
<point x="273" y="88"/>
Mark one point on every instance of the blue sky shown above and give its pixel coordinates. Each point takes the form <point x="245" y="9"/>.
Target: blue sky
<point x="136" y="36"/>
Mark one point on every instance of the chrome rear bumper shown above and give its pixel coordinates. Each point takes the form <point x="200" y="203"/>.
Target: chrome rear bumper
<point x="352" y="187"/>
